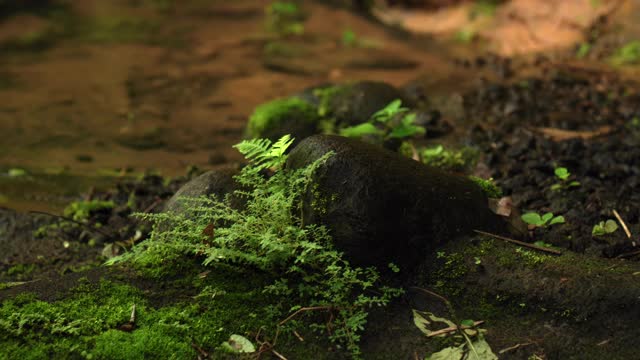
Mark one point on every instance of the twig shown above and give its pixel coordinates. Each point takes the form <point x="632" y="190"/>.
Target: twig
<point x="624" y="226"/>
<point x="310" y="308"/>
<point x="157" y="201"/>
<point x="132" y="319"/>
<point x="298" y="336"/>
<point x="521" y="243"/>
<point x="451" y="329"/>
<point x="514" y="347"/>
<point x="278" y="355"/>
<point x="86" y="226"/>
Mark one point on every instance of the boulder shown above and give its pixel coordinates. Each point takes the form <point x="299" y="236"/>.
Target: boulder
<point x="214" y="182"/>
<point x="354" y="103"/>
<point x="382" y="207"/>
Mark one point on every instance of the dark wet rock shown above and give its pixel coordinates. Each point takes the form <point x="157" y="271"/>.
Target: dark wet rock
<point x="216" y="183"/>
<point x="352" y="104"/>
<point x="382" y="207"/>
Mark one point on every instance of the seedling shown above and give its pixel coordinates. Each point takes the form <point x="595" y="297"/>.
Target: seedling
<point x="545" y="220"/>
<point x="405" y="128"/>
<point x="604" y="228"/>
<point x="563" y="175"/>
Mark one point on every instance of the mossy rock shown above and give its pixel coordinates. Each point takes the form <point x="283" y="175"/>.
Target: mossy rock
<point x="352" y="104"/>
<point x="382" y="207"/>
<point x="276" y="118"/>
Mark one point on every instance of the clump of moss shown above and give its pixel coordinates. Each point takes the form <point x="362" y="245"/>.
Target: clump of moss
<point x="276" y="118"/>
<point x="628" y="54"/>
<point x="267" y="235"/>
<point x="81" y="210"/>
<point x="488" y="187"/>
<point x="451" y="160"/>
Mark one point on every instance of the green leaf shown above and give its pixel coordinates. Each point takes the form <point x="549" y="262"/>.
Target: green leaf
<point x="15" y="172"/>
<point x="383" y="115"/>
<point x="546" y="217"/>
<point x="483" y="350"/>
<point x="434" y="151"/>
<point x="610" y="226"/>
<point x="361" y="130"/>
<point x="532" y="218"/>
<point x="467" y="322"/>
<point x="555" y="187"/>
<point x="238" y="344"/>
<point x="598" y="229"/>
<point x="449" y="353"/>
<point x="562" y="173"/>
<point x="557" y="220"/>
<point x="403" y="131"/>
<point x="574" y="183"/>
<point x="424" y="320"/>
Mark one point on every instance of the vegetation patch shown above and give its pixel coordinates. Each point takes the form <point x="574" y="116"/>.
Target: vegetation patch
<point x="309" y="280"/>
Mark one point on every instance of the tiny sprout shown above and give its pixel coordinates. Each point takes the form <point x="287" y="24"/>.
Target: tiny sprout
<point x="563" y="175"/>
<point x="545" y="220"/>
<point x="604" y="228"/>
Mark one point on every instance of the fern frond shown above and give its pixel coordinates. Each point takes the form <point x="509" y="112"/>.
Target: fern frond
<point x="280" y="147"/>
<point x="263" y="153"/>
<point x="253" y="149"/>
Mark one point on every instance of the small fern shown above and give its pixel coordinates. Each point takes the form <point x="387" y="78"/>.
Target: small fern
<point x="263" y="153"/>
<point x="267" y="235"/>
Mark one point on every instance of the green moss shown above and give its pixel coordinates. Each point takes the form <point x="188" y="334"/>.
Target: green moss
<point x="81" y="210"/>
<point x="21" y="271"/>
<point x="628" y="54"/>
<point x="490" y="189"/>
<point x="86" y="323"/>
<point x="450" y="160"/>
<point x="274" y="116"/>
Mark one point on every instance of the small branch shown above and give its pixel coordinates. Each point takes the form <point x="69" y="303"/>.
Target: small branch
<point x="86" y="226"/>
<point x="304" y="309"/>
<point x="514" y="347"/>
<point x="278" y="355"/>
<point x="451" y="329"/>
<point x="624" y="226"/>
<point x="521" y="243"/>
<point x="298" y="336"/>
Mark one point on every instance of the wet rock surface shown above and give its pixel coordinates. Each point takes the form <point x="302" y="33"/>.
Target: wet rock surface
<point x="381" y="207"/>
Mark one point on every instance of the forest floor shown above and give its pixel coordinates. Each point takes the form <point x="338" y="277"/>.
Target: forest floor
<point x="124" y="101"/>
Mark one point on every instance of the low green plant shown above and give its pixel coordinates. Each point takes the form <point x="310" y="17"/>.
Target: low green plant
<point x="565" y="183"/>
<point x="284" y="18"/>
<point x="628" y="54"/>
<point x="583" y="50"/>
<point x="488" y="186"/>
<point x="545" y="220"/>
<point x="81" y="210"/>
<point x="604" y="227"/>
<point x="349" y="38"/>
<point x="268" y="235"/>
<point x="391" y="122"/>
<point x="468" y="337"/>
<point x="451" y="160"/>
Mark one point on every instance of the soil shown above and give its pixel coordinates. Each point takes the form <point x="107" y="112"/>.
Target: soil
<point x="115" y="102"/>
